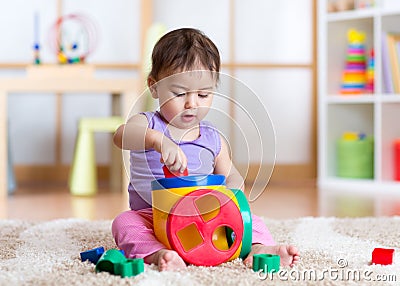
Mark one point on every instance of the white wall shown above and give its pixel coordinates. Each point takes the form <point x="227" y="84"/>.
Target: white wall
<point x="266" y="31"/>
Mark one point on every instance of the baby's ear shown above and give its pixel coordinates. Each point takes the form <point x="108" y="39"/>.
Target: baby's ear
<point x="151" y="83"/>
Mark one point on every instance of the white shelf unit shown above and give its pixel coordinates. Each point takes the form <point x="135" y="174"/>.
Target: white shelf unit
<point x="376" y="114"/>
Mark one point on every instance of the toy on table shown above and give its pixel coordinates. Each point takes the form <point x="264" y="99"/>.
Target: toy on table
<point x="353" y="78"/>
<point x="383" y="256"/>
<point x="36" y="43"/>
<point x="197" y="216"/>
<point x="113" y="261"/>
<point x="73" y="38"/>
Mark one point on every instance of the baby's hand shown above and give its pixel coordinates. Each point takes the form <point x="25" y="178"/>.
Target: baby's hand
<point x="169" y="174"/>
<point x="172" y="156"/>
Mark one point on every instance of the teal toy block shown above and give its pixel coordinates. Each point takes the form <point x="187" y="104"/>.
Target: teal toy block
<point x="131" y="267"/>
<point x="114" y="262"/>
<point x="92" y="255"/>
<point x="266" y="263"/>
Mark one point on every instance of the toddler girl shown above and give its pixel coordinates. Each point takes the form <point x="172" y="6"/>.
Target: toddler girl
<point x="184" y="74"/>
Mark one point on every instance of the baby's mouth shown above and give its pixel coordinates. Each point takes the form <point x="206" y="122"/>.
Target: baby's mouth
<point x="188" y="117"/>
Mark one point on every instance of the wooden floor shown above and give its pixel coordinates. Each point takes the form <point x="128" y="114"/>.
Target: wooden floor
<point x="51" y="201"/>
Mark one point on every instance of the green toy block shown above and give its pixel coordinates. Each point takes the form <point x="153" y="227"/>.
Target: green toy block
<point x="109" y="259"/>
<point x="266" y="262"/>
<point x="131" y="267"/>
<point x="114" y="262"/>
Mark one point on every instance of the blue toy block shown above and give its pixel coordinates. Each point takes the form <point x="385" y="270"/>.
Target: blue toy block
<point x="92" y="255"/>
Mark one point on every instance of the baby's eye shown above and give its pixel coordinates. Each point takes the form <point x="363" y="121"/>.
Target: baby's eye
<point x="179" y="94"/>
<point x="203" y="95"/>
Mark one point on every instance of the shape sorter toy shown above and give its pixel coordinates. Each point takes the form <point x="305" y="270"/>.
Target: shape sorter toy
<point x="197" y="216"/>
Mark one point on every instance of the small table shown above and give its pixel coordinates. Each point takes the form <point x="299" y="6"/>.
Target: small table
<point x="61" y="79"/>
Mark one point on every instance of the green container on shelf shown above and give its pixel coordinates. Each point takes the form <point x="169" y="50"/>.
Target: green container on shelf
<point x="355" y="158"/>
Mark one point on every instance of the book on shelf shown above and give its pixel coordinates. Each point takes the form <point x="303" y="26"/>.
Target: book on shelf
<point x="386" y="71"/>
<point x="391" y="62"/>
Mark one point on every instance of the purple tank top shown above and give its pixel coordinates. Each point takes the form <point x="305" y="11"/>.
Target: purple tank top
<point x="145" y="165"/>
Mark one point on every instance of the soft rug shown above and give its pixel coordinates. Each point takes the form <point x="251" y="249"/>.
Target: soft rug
<point x="333" y="252"/>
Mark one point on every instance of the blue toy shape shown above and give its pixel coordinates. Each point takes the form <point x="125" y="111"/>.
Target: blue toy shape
<point x="92" y="255"/>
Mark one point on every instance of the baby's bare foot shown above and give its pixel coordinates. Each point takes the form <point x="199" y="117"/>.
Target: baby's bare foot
<point x="289" y="254"/>
<point x="166" y="260"/>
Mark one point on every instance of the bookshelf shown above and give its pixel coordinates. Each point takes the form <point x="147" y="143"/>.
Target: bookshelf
<point x="376" y="114"/>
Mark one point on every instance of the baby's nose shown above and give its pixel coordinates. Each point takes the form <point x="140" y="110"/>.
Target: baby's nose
<point x="191" y="100"/>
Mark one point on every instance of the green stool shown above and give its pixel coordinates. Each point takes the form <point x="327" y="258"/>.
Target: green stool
<point x="83" y="175"/>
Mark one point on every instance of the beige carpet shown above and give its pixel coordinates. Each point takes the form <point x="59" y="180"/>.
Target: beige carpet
<point x="334" y="252"/>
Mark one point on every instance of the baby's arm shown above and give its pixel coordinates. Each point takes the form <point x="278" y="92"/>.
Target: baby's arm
<point x="224" y="166"/>
<point x="135" y="135"/>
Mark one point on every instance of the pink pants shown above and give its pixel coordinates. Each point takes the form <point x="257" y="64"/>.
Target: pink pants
<point x="133" y="232"/>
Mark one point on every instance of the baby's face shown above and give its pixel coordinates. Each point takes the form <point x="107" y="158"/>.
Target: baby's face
<point x="185" y="98"/>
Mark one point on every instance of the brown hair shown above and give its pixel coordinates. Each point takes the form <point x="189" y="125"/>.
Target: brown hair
<point x="180" y="50"/>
